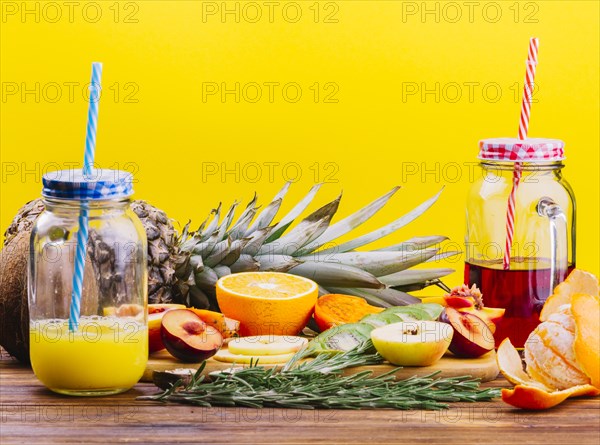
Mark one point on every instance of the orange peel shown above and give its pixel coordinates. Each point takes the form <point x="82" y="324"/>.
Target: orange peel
<point x="578" y="281"/>
<point x="586" y="313"/>
<point x="530" y="397"/>
<point x="511" y="366"/>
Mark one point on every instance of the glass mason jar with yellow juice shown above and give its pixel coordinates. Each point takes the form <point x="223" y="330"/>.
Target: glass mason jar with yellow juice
<point x="107" y="352"/>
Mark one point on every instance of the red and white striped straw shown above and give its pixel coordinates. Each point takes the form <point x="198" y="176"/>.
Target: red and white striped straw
<point x="532" y="60"/>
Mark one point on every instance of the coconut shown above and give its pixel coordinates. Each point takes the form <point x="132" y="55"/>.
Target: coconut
<point x="14" y="314"/>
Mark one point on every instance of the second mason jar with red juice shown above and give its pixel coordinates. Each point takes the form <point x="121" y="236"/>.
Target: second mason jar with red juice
<point x="541" y="222"/>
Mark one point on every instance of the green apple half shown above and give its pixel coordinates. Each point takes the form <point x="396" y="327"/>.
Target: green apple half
<point x="412" y="343"/>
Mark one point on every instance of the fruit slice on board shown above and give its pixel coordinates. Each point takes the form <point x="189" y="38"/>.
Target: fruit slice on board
<point x="228" y="327"/>
<point x="511" y="366"/>
<point x="227" y="356"/>
<point x="187" y="337"/>
<point x="156" y="308"/>
<point x="340" y="338"/>
<point x="412" y="343"/>
<point x="529" y="397"/>
<point x="412" y="312"/>
<point x="586" y="313"/>
<point x="578" y="281"/>
<point x="266" y="345"/>
<point x="472" y="336"/>
<point x="335" y="309"/>
<point x="155" y="315"/>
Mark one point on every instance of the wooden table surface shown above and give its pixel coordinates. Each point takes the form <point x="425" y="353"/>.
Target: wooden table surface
<point x="31" y="414"/>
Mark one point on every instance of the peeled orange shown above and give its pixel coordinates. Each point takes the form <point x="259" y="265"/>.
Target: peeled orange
<point x="267" y="302"/>
<point x="549" y="352"/>
<point x="563" y="353"/>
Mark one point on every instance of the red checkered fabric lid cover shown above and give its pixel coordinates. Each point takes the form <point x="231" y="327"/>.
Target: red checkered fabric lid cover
<point x="521" y="150"/>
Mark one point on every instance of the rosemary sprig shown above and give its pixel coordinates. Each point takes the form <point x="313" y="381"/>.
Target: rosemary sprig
<point x="320" y="384"/>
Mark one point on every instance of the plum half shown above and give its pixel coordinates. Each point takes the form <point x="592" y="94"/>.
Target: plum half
<point x="187" y="337"/>
<point x="472" y="336"/>
<point x="155" y="315"/>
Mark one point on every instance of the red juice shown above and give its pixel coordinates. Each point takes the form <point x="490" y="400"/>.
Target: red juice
<point x="522" y="291"/>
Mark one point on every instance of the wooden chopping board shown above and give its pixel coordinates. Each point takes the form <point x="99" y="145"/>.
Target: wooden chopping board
<point x="484" y="367"/>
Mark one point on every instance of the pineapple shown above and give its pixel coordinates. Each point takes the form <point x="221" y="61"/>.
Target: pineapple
<point x="254" y="242"/>
<point x="184" y="269"/>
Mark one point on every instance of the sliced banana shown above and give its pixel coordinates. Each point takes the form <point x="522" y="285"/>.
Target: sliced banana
<point x="266" y="345"/>
<point x="225" y="355"/>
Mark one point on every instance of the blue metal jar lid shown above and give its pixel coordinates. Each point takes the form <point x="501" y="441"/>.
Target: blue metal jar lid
<point x="97" y="185"/>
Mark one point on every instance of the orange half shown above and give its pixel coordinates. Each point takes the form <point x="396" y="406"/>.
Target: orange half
<point x="267" y="302"/>
<point x="266" y="285"/>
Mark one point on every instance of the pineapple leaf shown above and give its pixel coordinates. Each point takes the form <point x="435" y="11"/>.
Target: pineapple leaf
<point x="268" y="214"/>
<point x="334" y="274"/>
<point x="245" y="263"/>
<point x="235" y="250"/>
<point x="409" y="277"/>
<point x="389" y="297"/>
<point x="377" y="263"/>
<point x="265" y="218"/>
<point x="184" y="233"/>
<point x="222" y="270"/>
<point x="220" y="251"/>
<point x="307" y="230"/>
<point x="288" y="219"/>
<point x="349" y="223"/>
<point x="200" y="230"/>
<point x="443" y="255"/>
<point x="214" y="223"/>
<point x="416" y="243"/>
<point x="394" y="297"/>
<point x="257" y="239"/>
<point x="206" y="247"/>
<point x="206" y="280"/>
<point x="357" y="292"/>
<point x="386" y="230"/>
<point x="277" y="263"/>
<point x="227" y="220"/>
<point x="240" y="227"/>
<point x="198" y="299"/>
<point x="196" y="263"/>
<point x="243" y="222"/>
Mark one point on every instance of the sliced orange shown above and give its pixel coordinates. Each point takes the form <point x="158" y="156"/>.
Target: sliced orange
<point x="578" y="281"/>
<point x="266" y="285"/>
<point x="511" y="367"/>
<point x="226" y="326"/>
<point x="586" y="313"/>
<point x="267" y="302"/>
<point x="530" y="397"/>
<point x="335" y="309"/>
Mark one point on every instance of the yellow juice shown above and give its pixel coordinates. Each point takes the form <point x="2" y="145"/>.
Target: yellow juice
<point x="106" y="355"/>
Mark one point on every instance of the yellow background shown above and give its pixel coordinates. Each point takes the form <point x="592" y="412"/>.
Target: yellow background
<point x="373" y="51"/>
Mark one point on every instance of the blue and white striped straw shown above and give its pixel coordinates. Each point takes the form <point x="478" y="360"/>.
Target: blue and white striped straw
<point x="88" y="164"/>
<point x="92" y="124"/>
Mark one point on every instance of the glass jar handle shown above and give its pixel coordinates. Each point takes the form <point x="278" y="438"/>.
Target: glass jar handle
<point x="558" y="239"/>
